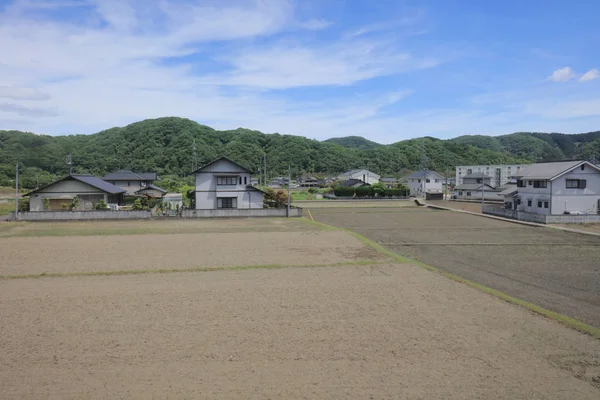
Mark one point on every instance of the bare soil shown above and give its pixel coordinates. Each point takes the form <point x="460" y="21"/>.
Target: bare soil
<point x="47" y="255"/>
<point x="385" y="331"/>
<point x="354" y="204"/>
<point x="555" y="269"/>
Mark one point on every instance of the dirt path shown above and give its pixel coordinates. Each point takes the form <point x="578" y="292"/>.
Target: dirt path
<point x="395" y="331"/>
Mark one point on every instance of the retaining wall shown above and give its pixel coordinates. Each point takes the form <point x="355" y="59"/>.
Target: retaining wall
<point x="241" y="213"/>
<point x="81" y="215"/>
<point x="541" y="218"/>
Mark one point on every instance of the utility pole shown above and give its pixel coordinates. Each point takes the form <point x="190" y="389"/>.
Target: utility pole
<point x="17" y="193"/>
<point x="194" y="156"/>
<point x="265" y="171"/>
<point x="289" y="197"/>
<point x="424" y="166"/>
<point x="70" y="163"/>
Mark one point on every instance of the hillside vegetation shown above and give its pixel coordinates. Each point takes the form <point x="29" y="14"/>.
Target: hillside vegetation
<point x="165" y="145"/>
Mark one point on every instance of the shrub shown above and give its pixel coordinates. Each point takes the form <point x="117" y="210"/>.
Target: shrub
<point x="398" y="192"/>
<point x="344" y="191"/>
<point x="74" y="203"/>
<point x="101" y="205"/>
<point x="313" y="190"/>
<point x="275" y="199"/>
<point x="379" y="188"/>
<point x="46" y="202"/>
<point x="24" y="205"/>
<point x="364" y="191"/>
<point x="137" y="205"/>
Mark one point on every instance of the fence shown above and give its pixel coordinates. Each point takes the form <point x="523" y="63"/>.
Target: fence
<point x="80" y="215"/>
<point x="242" y="213"/>
<point x="541" y="218"/>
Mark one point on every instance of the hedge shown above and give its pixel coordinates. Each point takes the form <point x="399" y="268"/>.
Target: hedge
<point x="364" y="191"/>
<point x="343" y="191"/>
<point x="399" y="192"/>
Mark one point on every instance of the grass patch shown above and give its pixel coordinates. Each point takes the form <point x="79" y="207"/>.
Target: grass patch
<point x="196" y="269"/>
<point x="7" y="207"/>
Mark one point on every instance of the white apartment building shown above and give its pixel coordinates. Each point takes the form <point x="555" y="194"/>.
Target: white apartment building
<point x="500" y="174"/>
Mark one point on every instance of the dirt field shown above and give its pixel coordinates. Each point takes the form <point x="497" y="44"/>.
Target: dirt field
<point x="341" y="332"/>
<point x="383" y="330"/>
<point x="354" y="204"/>
<point x="555" y="269"/>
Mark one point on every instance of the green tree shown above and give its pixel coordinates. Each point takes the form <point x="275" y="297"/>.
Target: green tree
<point x="379" y="188"/>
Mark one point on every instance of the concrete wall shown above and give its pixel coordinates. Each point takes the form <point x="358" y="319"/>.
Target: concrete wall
<point x="81" y="215"/>
<point x="541" y="218"/>
<point x="241" y="213"/>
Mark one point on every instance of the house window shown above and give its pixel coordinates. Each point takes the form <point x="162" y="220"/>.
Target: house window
<point x="143" y="184"/>
<point x="468" y="193"/>
<point x="539" y="204"/>
<point x="419" y="181"/>
<point x="546" y="204"/>
<point x="519" y="201"/>
<point x="576" y="184"/>
<point x="226" y="202"/>
<point x="240" y="180"/>
<point x="529" y="183"/>
<point x="437" y="181"/>
<point x="460" y="193"/>
<point x="520" y="183"/>
<point x="245" y="180"/>
<point x="529" y="203"/>
<point x="427" y="180"/>
<point x="128" y="183"/>
<point x="540" y="184"/>
<point x="226" y="180"/>
<point x="582" y="167"/>
<point x="479" y="180"/>
<point x="469" y="171"/>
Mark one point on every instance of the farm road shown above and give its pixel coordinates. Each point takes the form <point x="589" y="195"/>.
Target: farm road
<point x="557" y="270"/>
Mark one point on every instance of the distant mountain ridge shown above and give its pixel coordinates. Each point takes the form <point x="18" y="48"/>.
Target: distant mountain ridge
<point x="175" y="146"/>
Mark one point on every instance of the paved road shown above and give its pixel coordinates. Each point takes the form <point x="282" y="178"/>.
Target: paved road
<point x="554" y="269"/>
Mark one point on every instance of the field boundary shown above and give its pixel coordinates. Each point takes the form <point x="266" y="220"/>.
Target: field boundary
<point x="563" y="319"/>
<point x="194" y="269"/>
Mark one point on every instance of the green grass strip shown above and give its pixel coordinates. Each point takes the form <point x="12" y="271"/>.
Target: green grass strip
<point x="195" y="269"/>
<point x="563" y="319"/>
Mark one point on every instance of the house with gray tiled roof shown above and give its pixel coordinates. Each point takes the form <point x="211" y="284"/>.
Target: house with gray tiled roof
<point x="130" y="181"/>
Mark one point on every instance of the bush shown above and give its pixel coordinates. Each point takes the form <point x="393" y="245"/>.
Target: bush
<point x="46" y="204"/>
<point x="364" y="191"/>
<point x="101" y="205"/>
<point x="344" y="191"/>
<point x="137" y="205"/>
<point x="379" y="189"/>
<point x="275" y="199"/>
<point x="398" y="192"/>
<point x="74" y="203"/>
<point x="313" y="190"/>
<point x="24" y="205"/>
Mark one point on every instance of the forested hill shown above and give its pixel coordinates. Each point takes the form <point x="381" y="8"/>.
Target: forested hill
<point x="354" y="142"/>
<point x="166" y="145"/>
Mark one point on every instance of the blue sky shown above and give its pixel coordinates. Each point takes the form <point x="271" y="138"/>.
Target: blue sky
<point x="387" y="70"/>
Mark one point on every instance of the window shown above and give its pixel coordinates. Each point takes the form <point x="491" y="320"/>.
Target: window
<point x="540" y="184"/>
<point x="143" y="184"/>
<point x="519" y="201"/>
<point x="539" y="204"/>
<point x="576" y="184"/>
<point x="437" y="181"/>
<point x="468" y="193"/>
<point x="520" y="183"/>
<point x="245" y="180"/>
<point x="419" y="181"/>
<point x="529" y="183"/>
<point x="226" y="180"/>
<point x="226" y="202"/>
<point x="582" y="167"/>
<point x="460" y="193"/>
<point x="469" y="171"/>
<point x="128" y="183"/>
<point x="479" y="180"/>
<point x="427" y="180"/>
<point x="546" y="204"/>
<point x="529" y="203"/>
<point x="240" y="180"/>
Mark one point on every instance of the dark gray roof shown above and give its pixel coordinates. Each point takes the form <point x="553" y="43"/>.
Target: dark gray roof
<point x="477" y="175"/>
<point x="549" y="170"/>
<point x="152" y="187"/>
<point x="352" y="182"/>
<point x="474" y="186"/>
<point x="421" y="174"/>
<point x="255" y="188"/>
<point x="126" y="175"/>
<point x="89" y="180"/>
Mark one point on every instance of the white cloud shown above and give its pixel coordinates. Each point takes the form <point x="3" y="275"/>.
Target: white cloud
<point x="562" y="75"/>
<point x="22" y="93"/>
<point x="590" y="75"/>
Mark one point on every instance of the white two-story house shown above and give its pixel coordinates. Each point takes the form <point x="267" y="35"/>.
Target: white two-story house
<point x="476" y="186"/>
<point x="364" y="175"/>
<point x="225" y="184"/>
<point x="421" y="182"/>
<point x="557" y="188"/>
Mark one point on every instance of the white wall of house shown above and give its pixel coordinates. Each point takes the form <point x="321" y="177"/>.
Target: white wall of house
<point x="363" y="174"/>
<point x="63" y="192"/>
<point x="432" y="183"/>
<point x="500" y="173"/>
<point x="556" y="198"/>
<point x="208" y="191"/>
<point x="488" y="195"/>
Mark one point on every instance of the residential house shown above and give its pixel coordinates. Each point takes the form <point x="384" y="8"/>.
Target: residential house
<point x="225" y="184"/>
<point x="476" y="186"/>
<point x="151" y="191"/>
<point x="173" y="201"/>
<point x="420" y="182"/>
<point x="571" y="187"/>
<point x="353" y="183"/>
<point x="362" y="174"/>
<point x="500" y="174"/>
<point x="389" y="182"/>
<point x="130" y="181"/>
<point x="310" y="181"/>
<point x="88" y="189"/>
